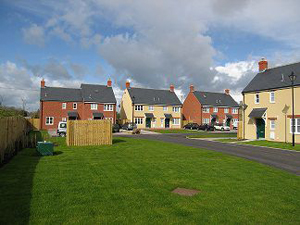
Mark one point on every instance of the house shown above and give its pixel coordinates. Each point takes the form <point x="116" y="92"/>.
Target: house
<point x="210" y="108"/>
<point x="151" y="108"/>
<point x="89" y="102"/>
<point x="267" y="101"/>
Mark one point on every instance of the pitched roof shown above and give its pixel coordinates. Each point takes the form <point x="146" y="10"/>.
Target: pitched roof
<point x="98" y="93"/>
<point x="60" y="94"/>
<point x="87" y="93"/>
<point x="153" y="96"/>
<point x="215" y="99"/>
<point x="274" y="78"/>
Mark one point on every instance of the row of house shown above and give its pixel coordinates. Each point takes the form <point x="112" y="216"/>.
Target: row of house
<point x="148" y="108"/>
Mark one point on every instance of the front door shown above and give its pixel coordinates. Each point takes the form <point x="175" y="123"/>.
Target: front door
<point x="228" y="122"/>
<point x="148" y="122"/>
<point x="260" y="128"/>
<point x="167" y="123"/>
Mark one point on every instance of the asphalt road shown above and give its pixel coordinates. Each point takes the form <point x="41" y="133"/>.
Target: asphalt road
<point x="282" y="159"/>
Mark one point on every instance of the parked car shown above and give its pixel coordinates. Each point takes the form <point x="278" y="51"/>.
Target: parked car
<point x="191" y="126"/>
<point x="222" y="127"/>
<point x="235" y="125"/>
<point x="116" y="128"/>
<point x="206" y="127"/>
<point x="129" y="126"/>
<point x="62" y="129"/>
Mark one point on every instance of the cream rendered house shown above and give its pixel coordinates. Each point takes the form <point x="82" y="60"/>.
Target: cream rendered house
<point x="151" y="108"/>
<point x="267" y="104"/>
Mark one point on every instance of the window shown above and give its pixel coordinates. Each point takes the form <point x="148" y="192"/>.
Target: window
<point x="297" y="126"/>
<point x="272" y="97"/>
<point x="94" y="106"/>
<point x="64" y="119"/>
<point x="235" y="120"/>
<point x="165" y="108"/>
<point x="138" y="120"/>
<point x="151" y="108"/>
<point x="49" y="120"/>
<point x="109" y="118"/>
<point x="162" y="122"/>
<point x="206" y="121"/>
<point x="215" y="109"/>
<point x="205" y="110"/>
<point x="226" y="110"/>
<point x="176" y="121"/>
<point x="272" y="124"/>
<point x="176" y="109"/>
<point x="256" y="98"/>
<point x="108" y="107"/>
<point x="234" y="111"/>
<point x="64" y="105"/>
<point x="139" y="108"/>
<point x="74" y="105"/>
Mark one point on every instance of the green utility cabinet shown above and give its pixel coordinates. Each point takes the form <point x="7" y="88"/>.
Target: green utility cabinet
<point x="45" y="148"/>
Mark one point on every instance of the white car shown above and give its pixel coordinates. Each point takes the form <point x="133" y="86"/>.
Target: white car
<point x="62" y="129"/>
<point x="222" y="127"/>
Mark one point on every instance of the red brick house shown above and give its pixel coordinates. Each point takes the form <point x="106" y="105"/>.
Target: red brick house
<point x="88" y="102"/>
<point x="209" y="107"/>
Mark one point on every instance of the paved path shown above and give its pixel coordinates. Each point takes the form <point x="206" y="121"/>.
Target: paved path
<point x="286" y="160"/>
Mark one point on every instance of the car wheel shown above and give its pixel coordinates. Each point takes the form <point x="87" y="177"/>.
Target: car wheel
<point x="222" y="129"/>
<point x="62" y="134"/>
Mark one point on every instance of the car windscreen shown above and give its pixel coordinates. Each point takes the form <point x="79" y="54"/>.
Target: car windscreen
<point x="63" y="125"/>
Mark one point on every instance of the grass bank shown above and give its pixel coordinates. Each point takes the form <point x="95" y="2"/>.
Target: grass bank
<point x="273" y="144"/>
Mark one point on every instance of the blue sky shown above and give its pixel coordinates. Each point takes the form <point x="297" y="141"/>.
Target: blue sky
<point x="213" y="44"/>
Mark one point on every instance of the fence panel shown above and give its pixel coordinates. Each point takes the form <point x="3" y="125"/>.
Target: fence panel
<point x="35" y="123"/>
<point x="89" y="132"/>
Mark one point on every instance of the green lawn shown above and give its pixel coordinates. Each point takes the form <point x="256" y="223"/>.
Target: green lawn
<point x="213" y="135"/>
<point x="227" y="140"/>
<point x="274" y="144"/>
<point x="131" y="183"/>
<point x="175" y="131"/>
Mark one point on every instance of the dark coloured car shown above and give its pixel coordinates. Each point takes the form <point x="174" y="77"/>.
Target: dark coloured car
<point x="191" y="126"/>
<point x="116" y="128"/>
<point x="129" y="126"/>
<point x="206" y="127"/>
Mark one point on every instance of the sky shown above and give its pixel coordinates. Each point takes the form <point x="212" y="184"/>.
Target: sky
<point x="212" y="44"/>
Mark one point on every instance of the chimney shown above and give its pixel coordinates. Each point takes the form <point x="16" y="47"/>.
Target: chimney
<point x="192" y="89"/>
<point x="172" y="88"/>
<point x="227" y="91"/>
<point x="109" y="83"/>
<point x="43" y="83"/>
<point x="262" y="65"/>
<point x="127" y="84"/>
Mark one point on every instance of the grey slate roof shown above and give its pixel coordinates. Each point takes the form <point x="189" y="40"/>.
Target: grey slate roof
<point x="257" y="112"/>
<point x="60" y="94"/>
<point x="98" y="93"/>
<point x="87" y="93"/>
<point x="153" y="96"/>
<point x="215" y="99"/>
<point x="274" y="78"/>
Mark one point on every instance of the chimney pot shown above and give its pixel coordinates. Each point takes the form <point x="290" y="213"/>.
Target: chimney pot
<point x="227" y="91"/>
<point x="192" y="89"/>
<point x="43" y="83"/>
<point x="127" y="84"/>
<point x="109" y="83"/>
<point x="262" y="65"/>
<point x="172" y="88"/>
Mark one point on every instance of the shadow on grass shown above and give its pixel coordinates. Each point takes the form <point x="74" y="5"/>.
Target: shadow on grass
<point x="116" y="141"/>
<point x="57" y="153"/>
<point x="16" y="183"/>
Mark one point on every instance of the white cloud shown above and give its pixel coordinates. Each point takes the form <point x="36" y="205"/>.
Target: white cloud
<point x="236" y="70"/>
<point x="34" y="35"/>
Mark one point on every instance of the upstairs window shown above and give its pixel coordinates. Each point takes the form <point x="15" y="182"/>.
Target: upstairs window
<point x="74" y="105"/>
<point x="215" y="109"/>
<point x="234" y="111"/>
<point x="64" y="105"/>
<point x="256" y="100"/>
<point x="176" y="109"/>
<point x="205" y="110"/>
<point x="94" y="106"/>
<point x="108" y="107"/>
<point x="165" y="108"/>
<point x="151" y="108"/>
<point x="139" y="108"/>
<point x="226" y="110"/>
<point x="272" y="97"/>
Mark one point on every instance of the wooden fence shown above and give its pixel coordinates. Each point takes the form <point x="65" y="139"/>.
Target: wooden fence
<point x="89" y="132"/>
<point x="35" y="123"/>
<point x="13" y="136"/>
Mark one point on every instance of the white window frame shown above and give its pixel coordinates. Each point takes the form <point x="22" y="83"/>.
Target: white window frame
<point x="165" y="108"/>
<point x="151" y="108"/>
<point x="176" y="109"/>
<point x="64" y="105"/>
<point x="108" y="107"/>
<point x="138" y="107"/>
<point x="94" y="106"/>
<point x="138" y="120"/>
<point x="177" y="120"/>
<point x="297" y="124"/>
<point x="162" y="122"/>
<point x="272" y="100"/>
<point x="226" y="110"/>
<point x="205" y="109"/>
<point x="74" y="105"/>
<point x="272" y="125"/>
<point x="216" y="109"/>
<point x="206" y="121"/>
<point x="234" y="111"/>
<point x="256" y="98"/>
<point x="49" y="122"/>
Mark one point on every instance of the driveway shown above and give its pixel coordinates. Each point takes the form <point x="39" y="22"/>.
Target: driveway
<point x="282" y="159"/>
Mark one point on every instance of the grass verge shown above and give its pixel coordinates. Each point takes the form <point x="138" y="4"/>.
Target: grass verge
<point x="131" y="181"/>
<point x="273" y="144"/>
<point x="175" y="131"/>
